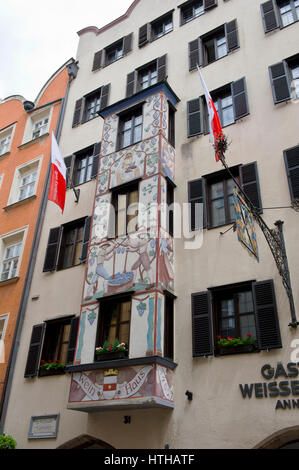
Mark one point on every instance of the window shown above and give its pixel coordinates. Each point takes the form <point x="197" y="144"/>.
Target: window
<point x="168" y="327"/>
<point x="156" y="29"/>
<point x="52" y="341"/>
<point x="90" y="105"/>
<point x="279" y="13"/>
<point x="112" y="53"/>
<point x="3" y="325"/>
<point x="11" y="247"/>
<point x="146" y="76"/>
<point x="10" y="261"/>
<point x="67" y="245"/>
<point x="6" y="136"/>
<point x="236" y="311"/>
<point x="5" y="144"/>
<point x="25" y="182"/>
<point x="171" y="124"/>
<point x="230" y="101"/>
<point x="83" y="166"/>
<point x="195" y="8"/>
<point x="191" y="10"/>
<point x="114" y="321"/>
<point x="215" y="192"/>
<point x="214" y="45"/>
<point x="40" y="128"/>
<point x="291" y="157"/>
<point x="284" y="79"/>
<point x="162" y="26"/>
<point x="125" y="203"/>
<point x="130" y="128"/>
<point x="27" y="185"/>
<point x="56" y="341"/>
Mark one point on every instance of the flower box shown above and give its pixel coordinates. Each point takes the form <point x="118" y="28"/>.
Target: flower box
<point x="240" y="349"/>
<point x="45" y="372"/>
<point x="111" y="356"/>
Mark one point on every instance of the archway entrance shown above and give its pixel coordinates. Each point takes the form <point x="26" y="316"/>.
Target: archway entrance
<point x="85" y="442"/>
<point x="287" y="438"/>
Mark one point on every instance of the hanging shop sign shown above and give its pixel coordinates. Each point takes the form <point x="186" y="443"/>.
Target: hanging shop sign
<point x="280" y="382"/>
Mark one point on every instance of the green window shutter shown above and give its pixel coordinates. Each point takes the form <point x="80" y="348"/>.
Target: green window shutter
<point x="196" y="195"/>
<point x="291" y="158"/>
<point x="194" y="54"/>
<point x="266" y="315"/>
<point x="232" y="36"/>
<point x="85" y="243"/>
<point x="105" y="96"/>
<point x="269" y="16"/>
<point x="50" y="262"/>
<point x="77" y="112"/>
<point x="202" y="338"/>
<point x="97" y="61"/>
<point x="33" y="358"/>
<point x="72" y="340"/>
<point x="194" y="117"/>
<point x="144" y="35"/>
<point x="96" y="156"/>
<point x="131" y="83"/>
<point x="280" y="82"/>
<point x="249" y="181"/>
<point x="162" y="67"/>
<point x="240" y="99"/>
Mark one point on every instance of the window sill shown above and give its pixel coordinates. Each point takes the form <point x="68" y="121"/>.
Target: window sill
<point x="123" y="363"/>
<point x="9" y="281"/>
<point x="5" y="154"/>
<point x="69" y="267"/>
<point x="231" y="350"/>
<point x="33" y="141"/>
<point x="19" y="203"/>
<point x="48" y="373"/>
<point x="162" y="36"/>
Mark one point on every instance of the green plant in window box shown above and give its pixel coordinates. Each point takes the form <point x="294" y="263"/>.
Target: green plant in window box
<point x="7" y="442"/>
<point x="108" y="348"/>
<point x="51" y="365"/>
<point x="228" y="342"/>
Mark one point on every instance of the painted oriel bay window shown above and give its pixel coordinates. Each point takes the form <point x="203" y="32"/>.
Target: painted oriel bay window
<point x="130" y="127"/>
<point x="114" y="321"/>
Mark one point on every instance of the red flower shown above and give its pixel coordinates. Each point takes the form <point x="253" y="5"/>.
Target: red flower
<point x="50" y="362"/>
<point x="56" y="360"/>
<point x="219" y="337"/>
<point x="249" y="336"/>
<point x="43" y="362"/>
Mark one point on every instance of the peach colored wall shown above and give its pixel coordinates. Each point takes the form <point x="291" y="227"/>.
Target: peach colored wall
<point x="25" y="214"/>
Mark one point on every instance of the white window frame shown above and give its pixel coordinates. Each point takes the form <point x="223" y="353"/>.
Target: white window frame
<point x="33" y="119"/>
<point x="5" y="317"/>
<point x="11" y="239"/>
<point x="20" y="172"/>
<point x="4" y="134"/>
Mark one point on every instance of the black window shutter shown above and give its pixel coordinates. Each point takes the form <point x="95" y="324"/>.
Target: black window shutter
<point x="291" y="158"/>
<point x="127" y="46"/>
<point x="50" y="263"/>
<point x="239" y="94"/>
<point x="269" y="17"/>
<point x="194" y="117"/>
<point x="95" y="163"/>
<point x="202" y="342"/>
<point x="161" y="67"/>
<point x="77" y="113"/>
<point x="85" y="239"/>
<point x="280" y="82"/>
<point x="267" y="321"/>
<point x="97" y="61"/>
<point x="68" y="163"/>
<point x="232" y="36"/>
<point x="196" y="195"/>
<point x="250" y="184"/>
<point x="131" y="84"/>
<point x="72" y="340"/>
<point x="194" y="54"/>
<point x="144" y="35"/>
<point x="105" y="96"/>
<point x="33" y="358"/>
<point x="210" y="4"/>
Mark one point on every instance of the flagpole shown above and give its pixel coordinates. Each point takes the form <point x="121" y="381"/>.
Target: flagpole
<point x="76" y="191"/>
<point x="274" y="238"/>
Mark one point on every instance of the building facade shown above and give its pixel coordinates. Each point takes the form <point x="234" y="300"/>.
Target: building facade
<point x="24" y="161"/>
<point x="136" y="136"/>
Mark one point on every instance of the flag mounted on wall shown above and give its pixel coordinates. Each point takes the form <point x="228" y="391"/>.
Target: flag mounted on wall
<point x="58" y="176"/>
<point x="245" y="226"/>
<point x="215" y="125"/>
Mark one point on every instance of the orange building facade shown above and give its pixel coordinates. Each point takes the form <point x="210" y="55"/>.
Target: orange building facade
<point x="25" y="146"/>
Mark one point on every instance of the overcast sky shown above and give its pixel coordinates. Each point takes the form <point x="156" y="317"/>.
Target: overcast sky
<point x="36" y="38"/>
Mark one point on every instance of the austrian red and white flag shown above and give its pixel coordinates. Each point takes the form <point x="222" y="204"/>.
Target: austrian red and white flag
<point x="215" y="126"/>
<point x="58" y="176"/>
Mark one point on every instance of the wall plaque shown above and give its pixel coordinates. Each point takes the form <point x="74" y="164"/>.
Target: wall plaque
<point x="43" y="427"/>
